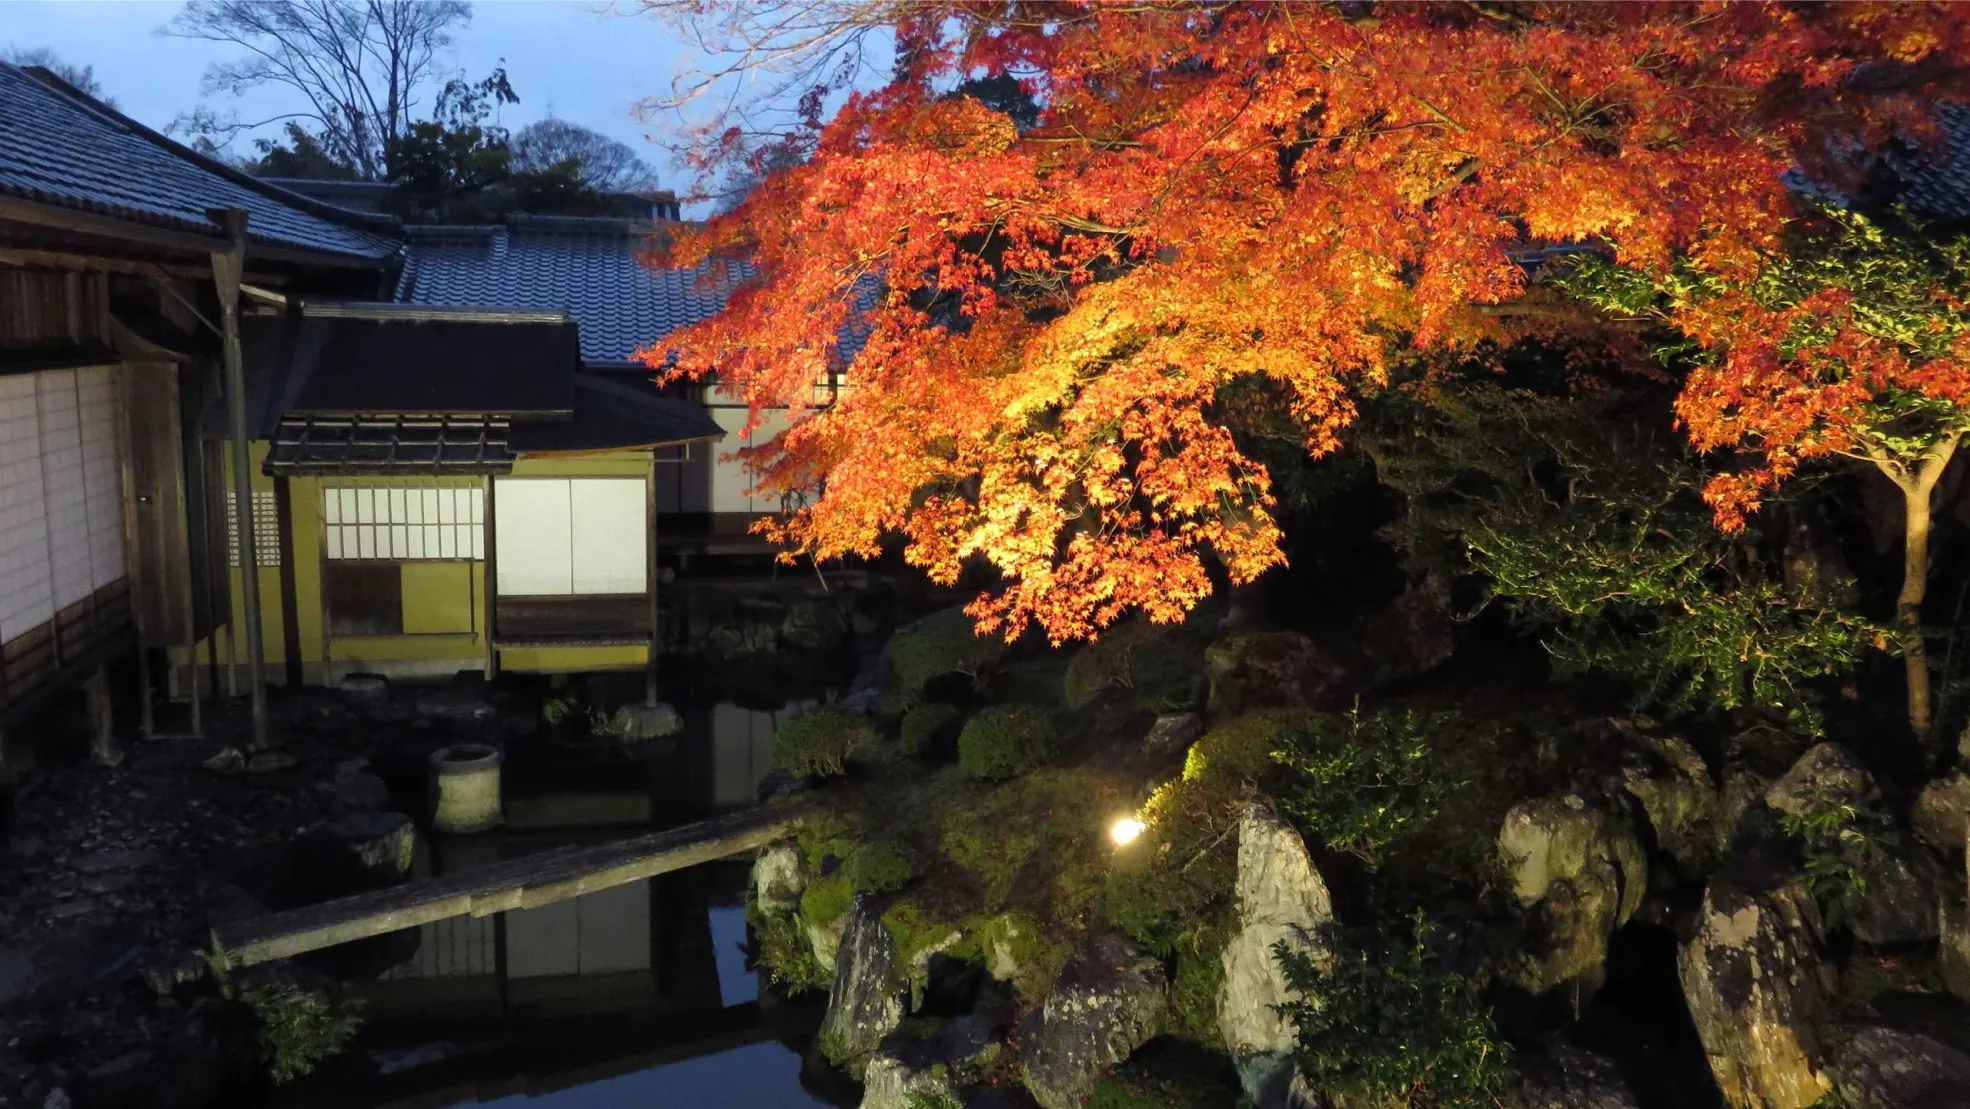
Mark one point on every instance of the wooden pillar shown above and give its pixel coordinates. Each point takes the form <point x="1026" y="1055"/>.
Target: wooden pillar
<point x="290" y="594"/>
<point x="227" y="266"/>
<point x="651" y="693"/>
<point x="103" y="749"/>
<point x="491" y="628"/>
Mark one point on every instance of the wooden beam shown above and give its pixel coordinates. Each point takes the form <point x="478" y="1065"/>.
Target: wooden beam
<point x="524" y="883"/>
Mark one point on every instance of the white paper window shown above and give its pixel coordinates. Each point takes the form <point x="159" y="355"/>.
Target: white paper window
<point x="266" y="529"/>
<point x="571" y="536"/>
<point x="397" y="524"/>
<point x="61" y="495"/>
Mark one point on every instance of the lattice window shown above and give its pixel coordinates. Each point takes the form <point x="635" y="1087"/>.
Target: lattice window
<point x="266" y="529"/>
<point x="394" y="524"/>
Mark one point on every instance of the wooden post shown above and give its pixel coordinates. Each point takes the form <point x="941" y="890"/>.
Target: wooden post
<point x="102" y="720"/>
<point x="651" y="692"/>
<point x="226" y="269"/>
<point x="491" y="628"/>
<point x="290" y="603"/>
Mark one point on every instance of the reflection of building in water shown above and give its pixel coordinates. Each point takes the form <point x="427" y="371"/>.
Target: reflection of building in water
<point x="642" y="947"/>
<point x="741" y="752"/>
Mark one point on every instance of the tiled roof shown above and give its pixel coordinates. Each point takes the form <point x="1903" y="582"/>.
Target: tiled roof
<point x="589" y="268"/>
<point x="1937" y="182"/>
<point x="62" y="148"/>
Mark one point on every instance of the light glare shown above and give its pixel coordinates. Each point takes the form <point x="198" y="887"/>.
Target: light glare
<point x="1125" y="830"/>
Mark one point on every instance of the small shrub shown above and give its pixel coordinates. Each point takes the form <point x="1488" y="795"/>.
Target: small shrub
<point x="1839" y="840"/>
<point x="1174" y="883"/>
<point x="927" y="728"/>
<point x="1106" y="662"/>
<point x="818" y="741"/>
<point x="878" y="868"/>
<point x="922" y="1100"/>
<point x="1242" y="751"/>
<point x="1361" y="781"/>
<point x="1382" y="1023"/>
<point x="942" y="643"/>
<point x="298" y="1028"/>
<point x="1004" y="741"/>
<point x="780" y="945"/>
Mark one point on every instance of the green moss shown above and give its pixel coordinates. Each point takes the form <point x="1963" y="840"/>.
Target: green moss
<point x="942" y="643"/>
<point x="1241" y="751"/>
<point x="828" y="899"/>
<point x="818" y="741"/>
<point x="878" y="868"/>
<point x="1194" y="992"/>
<point x="1142" y="1083"/>
<point x="1004" y="741"/>
<point x="928" y="729"/>
<point x="1038" y="837"/>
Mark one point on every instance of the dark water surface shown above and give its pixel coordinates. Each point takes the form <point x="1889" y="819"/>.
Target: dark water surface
<point x="634" y="996"/>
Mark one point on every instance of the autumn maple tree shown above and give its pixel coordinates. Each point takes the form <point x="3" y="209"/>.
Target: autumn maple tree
<point x="1224" y="212"/>
<point x="1851" y="341"/>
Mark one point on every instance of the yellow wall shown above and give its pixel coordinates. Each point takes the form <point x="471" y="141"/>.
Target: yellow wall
<point x="444" y="603"/>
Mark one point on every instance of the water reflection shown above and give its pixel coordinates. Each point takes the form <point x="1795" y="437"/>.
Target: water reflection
<point x="637" y="995"/>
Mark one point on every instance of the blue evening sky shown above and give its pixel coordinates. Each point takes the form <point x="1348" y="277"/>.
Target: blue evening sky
<point x="579" y="61"/>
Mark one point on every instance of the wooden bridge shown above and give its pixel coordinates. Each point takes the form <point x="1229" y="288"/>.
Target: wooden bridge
<point x="523" y="883"/>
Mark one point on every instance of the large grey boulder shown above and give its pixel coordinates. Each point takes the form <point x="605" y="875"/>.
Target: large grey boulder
<point x="778" y="879"/>
<point x="866" y="1001"/>
<point x="1827" y="774"/>
<point x="1941" y="814"/>
<point x="1172" y="734"/>
<point x="1569" y="1078"/>
<point x="1261" y="670"/>
<point x="1883" y="1069"/>
<point x="1900" y="904"/>
<point x="935" y="1066"/>
<point x="1578" y="873"/>
<point x="1756" y="980"/>
<point x="1668" y="778"/>
<point x="638" y="723"/>
<point x="1108" y="1002"/>
<point x="1281" y="899"/>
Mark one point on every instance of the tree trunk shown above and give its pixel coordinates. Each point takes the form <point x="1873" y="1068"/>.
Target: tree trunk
<point x="1908" y="604"/>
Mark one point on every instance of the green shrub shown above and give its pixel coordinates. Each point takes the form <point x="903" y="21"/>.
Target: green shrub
<point x="922" y="1100"/>
<point x="942" y="643"/>
<point x="1173" y="884"/>
<point x="1004" y="741"/>
<point x="1106" y="662"/>
<point x="1194" y="993"/>
<point x="928" y="727"/>
<point x="1382" y="1023"/>
<point x="818" y="741"/>
<point x="780" y="945"/>
<point x="878" y="868"/>
<point x="1242" y="751"/>
<point x="298" y="1028"/>
<point x="1361" y="781"/>
<point x="1839" y="841"/>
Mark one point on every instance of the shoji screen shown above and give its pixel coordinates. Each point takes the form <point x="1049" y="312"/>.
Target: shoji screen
<point x="61" y="496"/>
<point x="559" y="537"/>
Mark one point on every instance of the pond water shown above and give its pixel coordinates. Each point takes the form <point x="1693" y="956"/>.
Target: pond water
<point x="634" y="996"/>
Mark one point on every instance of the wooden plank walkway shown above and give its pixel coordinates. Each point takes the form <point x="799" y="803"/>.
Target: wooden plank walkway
<point x="522" y="883"/>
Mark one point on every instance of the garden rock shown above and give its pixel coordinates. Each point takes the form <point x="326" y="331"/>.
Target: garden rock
<point x="866" y="1002"/>
<point x="1415" y="634"/>
<point x="1579" y="873"/>
<point x="1942" y="813"/>
<point x="778" y="879"/>
<point x="1900" y="903"/>
<point x="228" y="760"/>
<point x="1883" y="1069"/>
<point x="1281" y="899"/>
<point x="359" y="851"/>
<point x="364" y="689"/>
<point x="642" y="723"/>
<point x="267" y="762"/>
<point x="825" y="941"/>
<point x="1108" y="1002"/>
<point x="1756" y="981"/>
<point x="1953" y="946"/>
<point x="1671" y="782"/>
<point x="1172" y="734"/>
<point x="1569" y="1078"/>
<point x="463" y="705"/>
<point x="909" y="1069"/>
<point x="1825" y="775"/>
<point x="1257" y="670"/>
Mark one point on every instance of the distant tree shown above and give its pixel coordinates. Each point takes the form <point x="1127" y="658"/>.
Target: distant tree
<point x="359" y="66"/>
<point x="442" y="166"/>
<point x="302" y="156"/>
<point x="83" y="77"/>
<point x="600" y="162"/>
